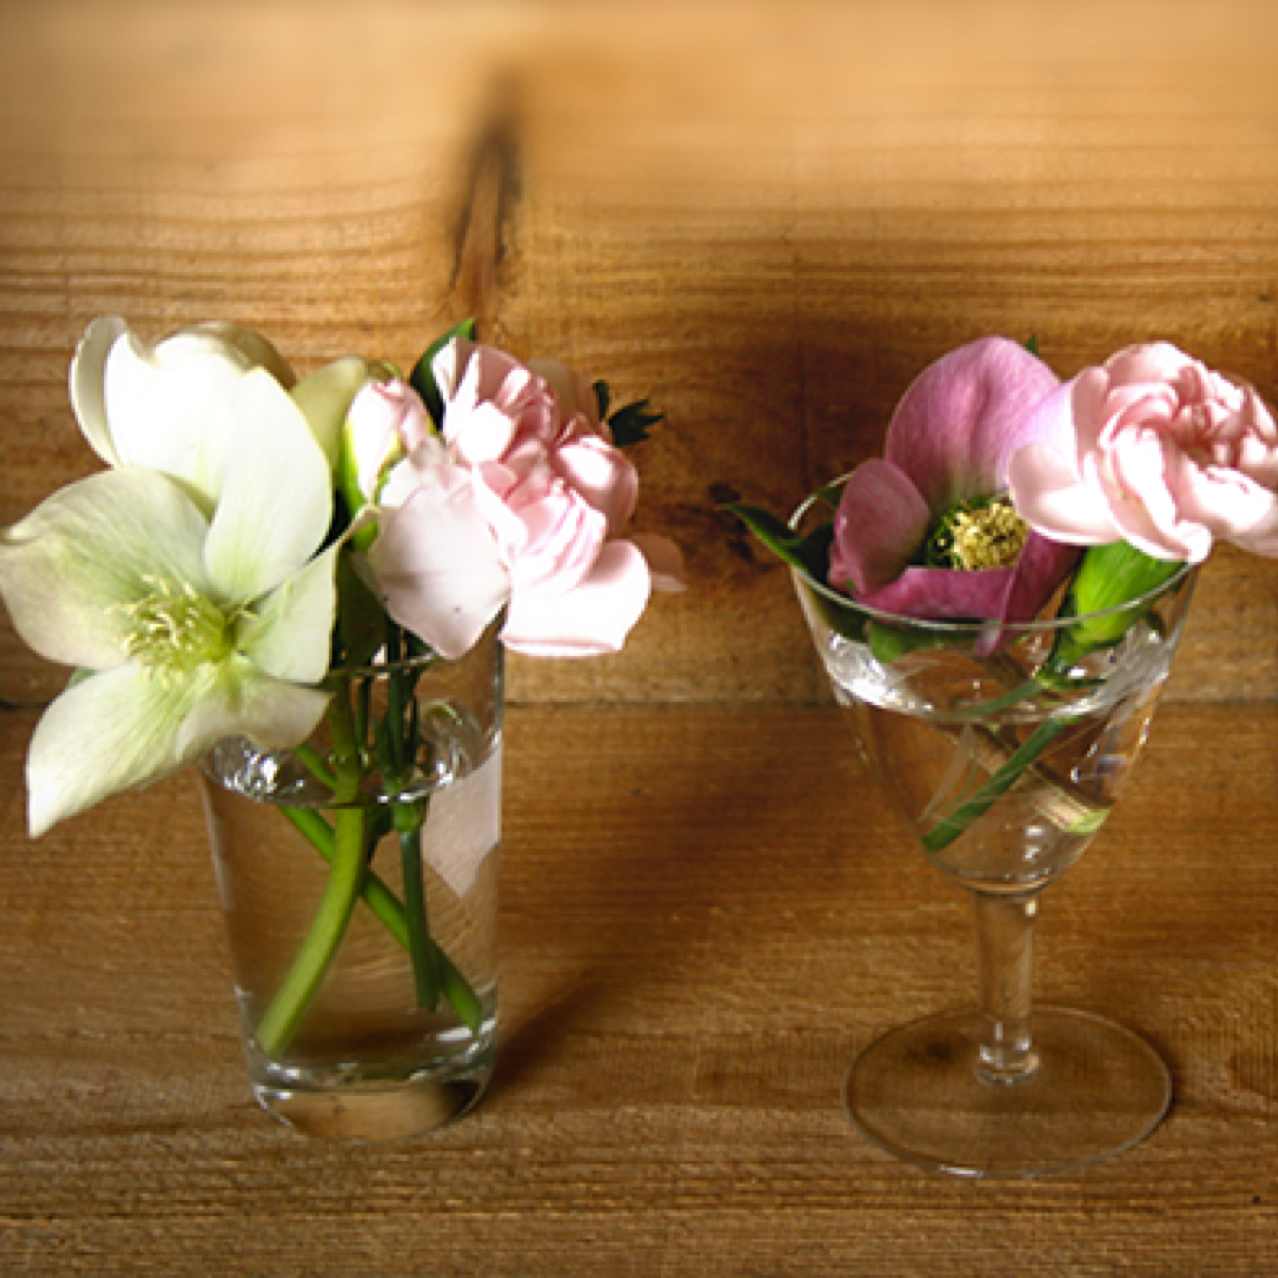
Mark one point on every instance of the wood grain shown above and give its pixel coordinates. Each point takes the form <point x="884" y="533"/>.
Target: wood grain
<point x="771" y="241"/>
<point x="694" y="943"/>
<point x="768" y="217"/>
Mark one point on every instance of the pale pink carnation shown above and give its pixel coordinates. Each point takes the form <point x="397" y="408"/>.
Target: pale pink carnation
<point x="1153" y="448"/>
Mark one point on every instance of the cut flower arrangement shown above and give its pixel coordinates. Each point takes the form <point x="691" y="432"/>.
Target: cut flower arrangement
<point x="261" y="550"/>
<point x="1005" y="496"/>
<point x="998" y="600"/>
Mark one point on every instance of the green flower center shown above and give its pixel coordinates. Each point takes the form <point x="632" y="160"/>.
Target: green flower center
<point x="974" y="535"/>
<point x="174" y="628"/>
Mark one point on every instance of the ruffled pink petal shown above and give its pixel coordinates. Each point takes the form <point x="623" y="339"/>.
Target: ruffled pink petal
<point x="880" y="523"/>
<point x="964" y="416"/>
<point x="436" y="564"/>
<point x="603" y="475"/>
<point x="1051" y="496"/>
<point x="1227" y="503"/>
<point x="665" y="561"/>
<point x="593" y="618"/>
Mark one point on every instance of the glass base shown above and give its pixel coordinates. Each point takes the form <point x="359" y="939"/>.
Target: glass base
<point x="1098" y="1090"/>
<point x="373" y="1109"/>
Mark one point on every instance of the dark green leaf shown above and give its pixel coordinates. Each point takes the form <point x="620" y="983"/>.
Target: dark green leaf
<point x="630" y="424"/>
<point x="809" y="553"/>
<point x="361" y="620"/>
<point x="603" y="396"/>
<point x="1031" y="344"/>
<point x="422" y="378"/>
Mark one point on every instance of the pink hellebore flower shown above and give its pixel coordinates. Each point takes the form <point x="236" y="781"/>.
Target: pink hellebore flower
<point x="1155" y="449"/>
<point x="947" y="447"/>
<point x="520" y="503"/>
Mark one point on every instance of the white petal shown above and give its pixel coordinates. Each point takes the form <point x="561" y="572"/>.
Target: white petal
<point x="105" y="734"/>
<point x="591" y="619"/>
<point x="170" y="415"/>
<point x="218" y="339"/>
<point x="325" y="396"/>
<point x="87" y="380"/>
<point x="276" y="499"/>
<point x="244" y="702"/>
<point x="71" y="567"/>
<point x="437" y="566"/>
<point x="289" y="635"/>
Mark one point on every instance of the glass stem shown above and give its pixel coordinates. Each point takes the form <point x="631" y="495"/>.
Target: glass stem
<point x="1005" y="932"/>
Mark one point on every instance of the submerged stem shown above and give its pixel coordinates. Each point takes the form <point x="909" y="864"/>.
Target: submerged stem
<point x="948" y="828"/>
<point x="376" y="895"/>
<point x="281" y="1019"/>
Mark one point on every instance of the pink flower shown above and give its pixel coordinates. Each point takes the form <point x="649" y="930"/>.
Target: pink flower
<point x="946" y="456"/>
<point x="522" y="502"/>
<point x="1155" y="449"/>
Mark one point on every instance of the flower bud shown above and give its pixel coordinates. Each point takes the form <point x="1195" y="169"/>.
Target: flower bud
<point x="385" y="421"/>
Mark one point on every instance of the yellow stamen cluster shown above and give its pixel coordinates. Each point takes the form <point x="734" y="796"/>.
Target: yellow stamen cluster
<point x="174" y="628"/>
<point x="990" y="537"/>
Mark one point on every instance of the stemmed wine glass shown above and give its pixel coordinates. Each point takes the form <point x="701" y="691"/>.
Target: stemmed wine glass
<point x="1004" y="769"/>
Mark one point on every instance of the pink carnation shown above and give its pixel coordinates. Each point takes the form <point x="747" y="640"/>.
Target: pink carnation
<point x="1155" y="449"/>
<point x="522" y="503"/>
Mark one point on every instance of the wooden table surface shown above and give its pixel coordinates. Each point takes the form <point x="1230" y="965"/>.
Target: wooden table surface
<point x="768" y="217"/>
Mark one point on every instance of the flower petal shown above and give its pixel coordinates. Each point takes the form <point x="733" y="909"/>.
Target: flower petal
<point x="88" y="369"/>
<point x="436" y="563"/>
<point x="665" y="561"/>
<point x="603" y="475"/>
<point x="108" y="733"/>
<point x="71" y="568"/>
<point x="1051" y="496"/>
<point x="243" y="702"/>
<point x="944" y="593"/>
<point x="963" y="417"/>
<point x="594" y="617"/>
<point x="289" y="633"/>
<point x="325" y="396"/>
<point x="276" y="501"/>
<point x="169" y="414"/>
<point x="1040" y="567"/>
<point x="880" y="523"/>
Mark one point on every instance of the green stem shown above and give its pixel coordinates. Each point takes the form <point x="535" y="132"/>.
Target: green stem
<point x="281" y="1019"/>
<point x="948" y="828"/>
<point x="426" y="975"/>
<point x="377" y="895"/>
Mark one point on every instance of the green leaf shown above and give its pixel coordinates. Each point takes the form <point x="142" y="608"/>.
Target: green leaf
<point x="603" y="396"/>
<point x="1108" y="577"/>
<point x="422" y="379"/>
<point x="1031" y="344"/>
<point x="630" y="424"/>
<point x="890" y="643"/>
<point x="361" y="620"/>
<point x="810" y="554"/>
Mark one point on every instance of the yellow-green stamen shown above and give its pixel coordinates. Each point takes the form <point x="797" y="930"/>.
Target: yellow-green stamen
<point x="174" y="628"/>
<point x="986" y="536"/>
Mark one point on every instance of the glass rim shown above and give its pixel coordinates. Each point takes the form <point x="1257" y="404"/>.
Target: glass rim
<point x="976" y="627"/>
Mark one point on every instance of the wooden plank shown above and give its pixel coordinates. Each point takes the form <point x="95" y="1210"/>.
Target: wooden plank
<point x="706" y="910"/>
<point x="770" y="242"/>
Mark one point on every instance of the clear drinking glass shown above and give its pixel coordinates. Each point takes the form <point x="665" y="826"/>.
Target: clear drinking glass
<point x="339" y="1034"/>
<point x="1003" y="776"/>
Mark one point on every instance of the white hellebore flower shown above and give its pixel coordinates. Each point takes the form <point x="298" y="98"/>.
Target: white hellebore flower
<point x="193" y="600"/>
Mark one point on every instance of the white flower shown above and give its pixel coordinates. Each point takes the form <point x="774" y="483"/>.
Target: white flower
<point x="193" y="598"/>
<point x="162" y="406"/>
